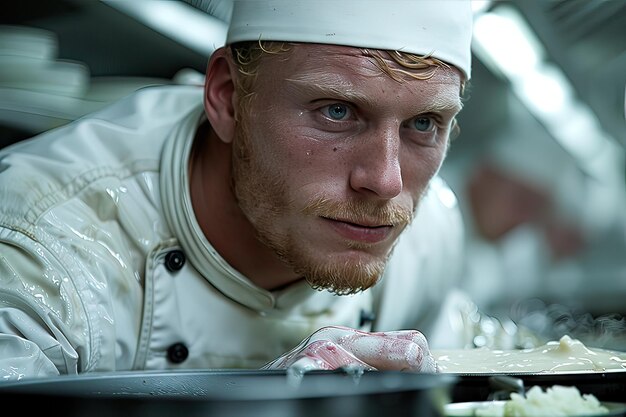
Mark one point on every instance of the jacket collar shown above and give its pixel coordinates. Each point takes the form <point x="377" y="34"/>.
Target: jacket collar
<point x="176" y="201"/>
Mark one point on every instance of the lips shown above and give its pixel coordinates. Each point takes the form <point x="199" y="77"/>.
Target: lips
<point x="360" y="232"/>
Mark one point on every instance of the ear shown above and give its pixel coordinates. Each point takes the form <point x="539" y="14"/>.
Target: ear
<point x="219" y="95"/>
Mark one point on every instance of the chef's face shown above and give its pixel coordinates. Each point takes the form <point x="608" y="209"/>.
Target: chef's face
<point x="332" y="157"/>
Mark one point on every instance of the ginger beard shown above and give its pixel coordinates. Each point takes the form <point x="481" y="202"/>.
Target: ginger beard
<point x="262" y="196"/>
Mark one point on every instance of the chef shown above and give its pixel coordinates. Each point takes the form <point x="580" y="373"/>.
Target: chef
<point x="287" y="215"/>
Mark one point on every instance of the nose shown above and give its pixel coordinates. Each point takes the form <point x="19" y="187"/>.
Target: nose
<point x="376" y="166"/>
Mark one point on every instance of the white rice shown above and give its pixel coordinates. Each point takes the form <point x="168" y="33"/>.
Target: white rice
<point x="556" y="401"/>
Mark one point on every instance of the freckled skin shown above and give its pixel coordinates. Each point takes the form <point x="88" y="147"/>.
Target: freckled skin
<point x="374" y="156"/>
<point x="325" y="126"/>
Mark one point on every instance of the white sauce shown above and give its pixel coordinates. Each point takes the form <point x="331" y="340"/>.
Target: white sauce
<point x="566" y="355"/>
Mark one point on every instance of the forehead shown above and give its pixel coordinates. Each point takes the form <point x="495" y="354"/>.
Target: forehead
<point x="306" y="60"/>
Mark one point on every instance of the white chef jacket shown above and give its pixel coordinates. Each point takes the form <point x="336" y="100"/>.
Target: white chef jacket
<point x="103" y="265"/>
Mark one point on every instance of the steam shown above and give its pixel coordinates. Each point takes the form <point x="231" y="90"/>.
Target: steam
<point x="552" y="321"/>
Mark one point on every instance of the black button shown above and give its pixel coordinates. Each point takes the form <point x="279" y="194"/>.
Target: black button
<point x="366" y="318"/>
<point x="174" y="260"/>
<point x="177" y="353"/>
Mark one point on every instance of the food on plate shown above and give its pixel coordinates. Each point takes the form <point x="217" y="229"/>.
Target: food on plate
<point x="565" y="355"/>
<point x="555" y="401"/>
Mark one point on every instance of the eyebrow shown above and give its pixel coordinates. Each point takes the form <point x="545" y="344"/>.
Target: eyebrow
<point x="445" y="106"/>
<point x="327" y="85"/>
<point x="330" y="86"/>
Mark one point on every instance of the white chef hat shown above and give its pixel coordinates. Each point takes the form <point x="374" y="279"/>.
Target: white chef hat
<point x="442" y="28"/>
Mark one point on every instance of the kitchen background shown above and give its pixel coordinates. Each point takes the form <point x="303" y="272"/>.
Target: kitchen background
<point x="542" y="131"/>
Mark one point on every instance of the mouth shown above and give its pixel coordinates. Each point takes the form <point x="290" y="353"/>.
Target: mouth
<point x="361" y="231"/>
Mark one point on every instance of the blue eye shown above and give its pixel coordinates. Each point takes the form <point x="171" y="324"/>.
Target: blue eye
<point x="337" y="111"/>
<point x="423" y="124"/>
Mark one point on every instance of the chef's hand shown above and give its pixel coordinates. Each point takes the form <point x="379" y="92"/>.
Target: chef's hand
<point x="341" y="347"/>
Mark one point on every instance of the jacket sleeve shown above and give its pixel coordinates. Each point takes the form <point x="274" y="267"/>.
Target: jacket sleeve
<point x="35" y="316"/>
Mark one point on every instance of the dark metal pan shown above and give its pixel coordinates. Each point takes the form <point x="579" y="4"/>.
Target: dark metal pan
<point x="235" y="393"/>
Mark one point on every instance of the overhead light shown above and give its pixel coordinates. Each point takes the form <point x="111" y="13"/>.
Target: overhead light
<point x="506" y="40"/>
<point x="479" y="6"/>
<point x="179" y="21"/>
<point x="546" y="89"/>
<point x="507" y="45"/>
